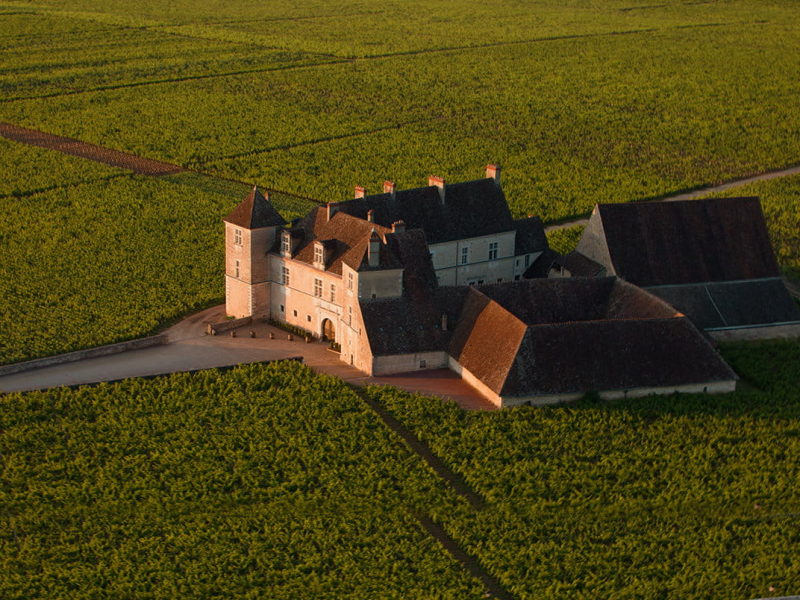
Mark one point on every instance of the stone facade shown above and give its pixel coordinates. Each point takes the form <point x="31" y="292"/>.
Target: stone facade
<point x="430" y="278"/>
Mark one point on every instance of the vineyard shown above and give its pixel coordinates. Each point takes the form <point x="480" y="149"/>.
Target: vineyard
<point x="274" y="478"/>
<point x="602" y="102"/>
<point x="682" y="496"/>
<point x="216" y="484"/>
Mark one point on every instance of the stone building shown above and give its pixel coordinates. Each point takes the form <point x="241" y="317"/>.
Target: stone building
<point x="711" y="259"/>
<point x="432" y="277"/>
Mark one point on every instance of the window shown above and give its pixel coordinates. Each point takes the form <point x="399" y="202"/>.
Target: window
<point x="493" y="249"/>
<point x="318" y="288"/>
<point x="527" y="260"/>
<point x="237" y="270"/>
<point x="295" y="312"/>
<point x="464" y="256"/>
<point x="499" y="280"/>
<point x="349" y="281"/>
<point x="286" y="243"/>
<point x="237" y="237"/>
<point x="333" y="293"/>
<point x="349" y="315"/>
<point x="318" y="254"/>
<point x="285" y="272"/>
<point x="480" y="281"/>
<point x="374" y="296"/>
<point x="422" y="364"/>
<point x="282" y="309"/>
<point x="308" y="318"/>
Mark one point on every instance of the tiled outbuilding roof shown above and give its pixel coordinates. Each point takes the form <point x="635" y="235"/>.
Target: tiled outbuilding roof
<point x="563" y="336"/>
<point x="732" y="303"/>
<point x="255" y="212"/>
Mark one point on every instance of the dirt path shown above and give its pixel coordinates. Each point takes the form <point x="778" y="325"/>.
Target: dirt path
<point x="495" y="590"/>
<point x="115" y="158"/>
<point x="733" y="183"/>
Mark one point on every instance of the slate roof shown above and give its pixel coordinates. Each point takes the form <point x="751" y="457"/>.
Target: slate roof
<point x="411" y="323"/>
<point x="612" y="355"/>
<point x="255" y="212"/>
<point x="733" y="303"/>
<point x="530" y="236"/>
<point x="579" y="265"/>
<point x="558" y="336"/>
<point x="471" y="209"/>
<point x="692" y="241"/>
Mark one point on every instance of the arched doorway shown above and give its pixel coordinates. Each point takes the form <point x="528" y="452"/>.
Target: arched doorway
<point x="328" y="331"/>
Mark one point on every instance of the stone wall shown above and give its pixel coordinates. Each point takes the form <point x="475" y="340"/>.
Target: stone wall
<point x="156" y="340"/>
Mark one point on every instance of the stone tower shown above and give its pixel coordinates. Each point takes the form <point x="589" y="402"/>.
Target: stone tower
<point x="250" y="231"/>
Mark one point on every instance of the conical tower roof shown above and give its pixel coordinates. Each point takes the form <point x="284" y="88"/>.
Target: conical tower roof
<point x="255" y="212"/>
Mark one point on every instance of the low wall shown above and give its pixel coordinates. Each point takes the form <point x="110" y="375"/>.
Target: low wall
<point x="215" y="328"/>
<point x="50" y="361"/>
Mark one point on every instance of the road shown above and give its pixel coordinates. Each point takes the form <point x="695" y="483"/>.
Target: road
<point x="190" y="349"/>
<point x="734" y="183"/>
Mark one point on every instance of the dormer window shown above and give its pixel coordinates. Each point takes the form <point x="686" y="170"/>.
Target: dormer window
<point x="237" y="237"/>
<point x="319" y="255"/>
<point x="286" y="243"/>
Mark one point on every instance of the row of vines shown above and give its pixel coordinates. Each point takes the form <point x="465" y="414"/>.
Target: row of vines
<point x="682" y="496"/>
<point x="262" y="480"/>
<point x="573" y="119"/>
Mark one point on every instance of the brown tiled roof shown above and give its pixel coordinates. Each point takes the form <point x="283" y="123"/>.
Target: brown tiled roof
<point x="471" y="209"/>
<point x="411" y="323"/>
<point x="349" y="239"/>
<point x="255" y="212"/>
<point x="575" y="335"/>
<point x="692" y="241"/>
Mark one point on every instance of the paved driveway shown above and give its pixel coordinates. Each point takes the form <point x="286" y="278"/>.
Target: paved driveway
<point x="191" y="349"/>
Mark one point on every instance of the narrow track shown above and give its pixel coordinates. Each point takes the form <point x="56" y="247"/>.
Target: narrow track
<point x="115" y="158"/>
<point x="720" y="187"/>
<point x="457" y="483"/>
<point x="423" y="451"/>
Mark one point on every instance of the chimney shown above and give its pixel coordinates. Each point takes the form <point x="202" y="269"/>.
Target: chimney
<point x="398" y="227"/>
<point x="438" y="182"/>
<point x="388" y="187"/>
<point x="361" y="192"/>
<point x="371" y="216"/>
<point x="493" y="172"/>
<point x="374" y="249"/>
<point x="332" y="210"/>
<point x="444" y="321"/>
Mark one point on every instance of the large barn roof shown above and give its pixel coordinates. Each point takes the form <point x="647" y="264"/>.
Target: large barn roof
<point x="692" y="241"/>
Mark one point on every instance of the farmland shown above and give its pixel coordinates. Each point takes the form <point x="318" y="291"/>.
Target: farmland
<point x="272" y="477"/>
<point x="261" y="478"/>
<point x="596" y="101"/>
<point x="658" y="497"/>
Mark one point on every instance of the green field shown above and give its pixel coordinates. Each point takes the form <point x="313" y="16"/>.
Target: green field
<point x="581" y="102"/>
<point x="257" y="481"/>
<point x="681" y="497"/>
<point x="273" y="480"/>
<point x="593" y="101"/>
